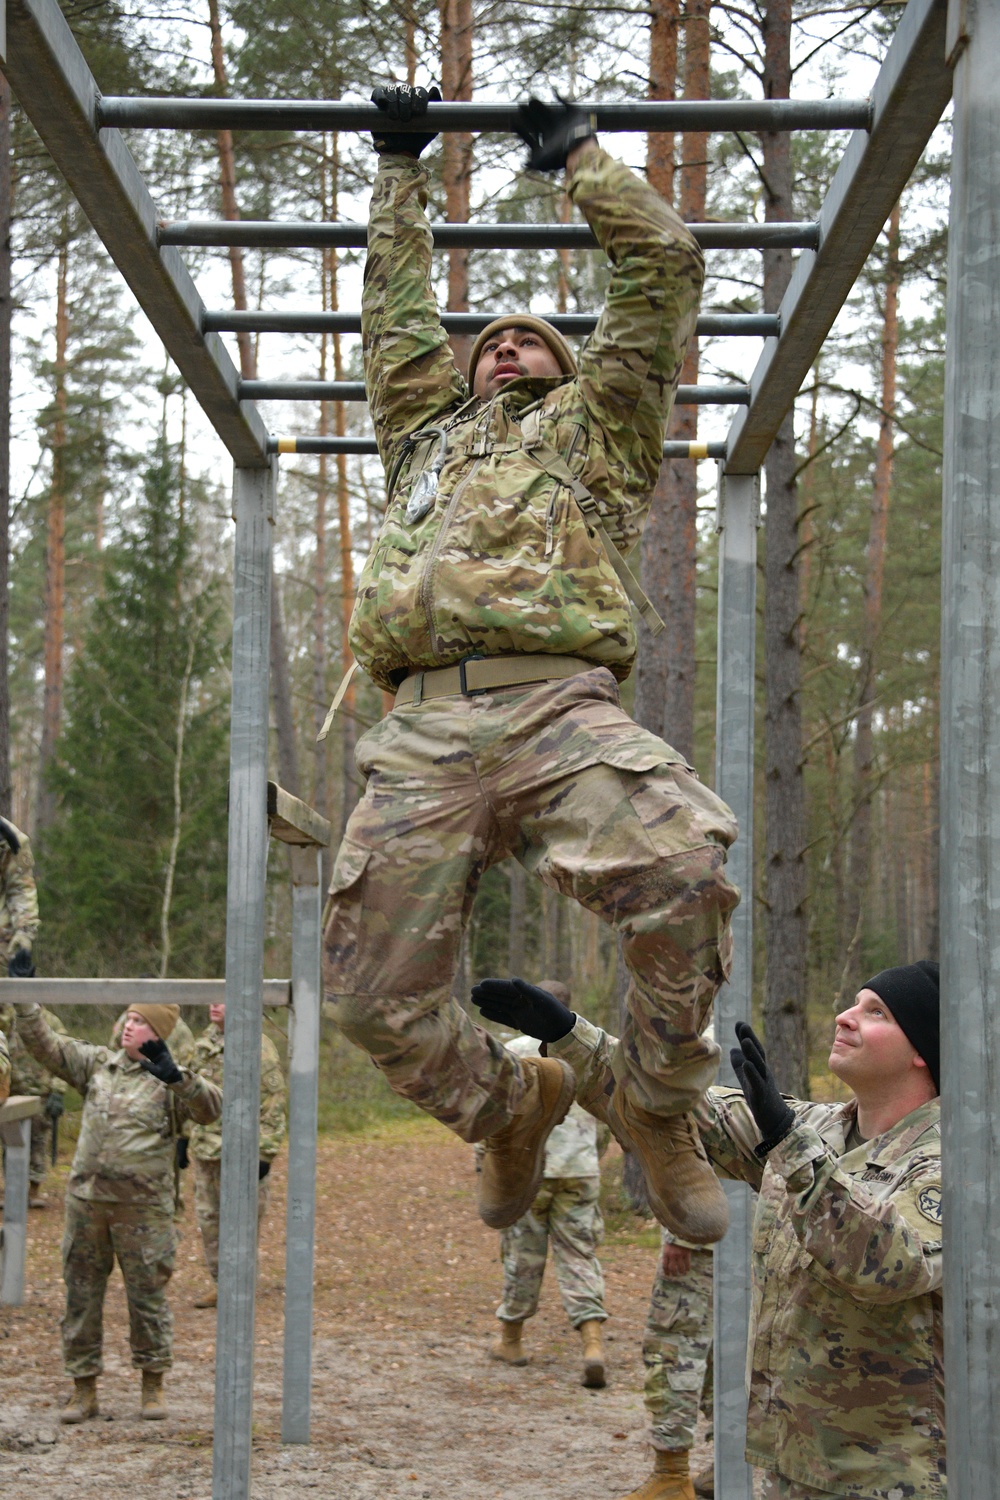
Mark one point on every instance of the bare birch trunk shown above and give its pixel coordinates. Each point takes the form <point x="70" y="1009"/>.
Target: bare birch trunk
<point x="456" y="83"/>
<point x="784" y="804"/>
<point x="175" y="836"/>
<point x="871" y="621"/>
<point x="55" y="554"/>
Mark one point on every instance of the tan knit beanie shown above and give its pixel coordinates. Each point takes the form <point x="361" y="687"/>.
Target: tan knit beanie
<point x="552" y="336"/>
<point x="162" y="1018"/>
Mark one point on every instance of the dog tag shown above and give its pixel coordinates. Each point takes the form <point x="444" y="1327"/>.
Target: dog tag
<point x="421" y="496"/>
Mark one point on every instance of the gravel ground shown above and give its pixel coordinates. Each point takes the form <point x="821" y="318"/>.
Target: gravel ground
<point x="405" y="1399"/>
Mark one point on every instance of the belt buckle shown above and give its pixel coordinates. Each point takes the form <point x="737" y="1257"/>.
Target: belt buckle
<point x="463" y="686"/>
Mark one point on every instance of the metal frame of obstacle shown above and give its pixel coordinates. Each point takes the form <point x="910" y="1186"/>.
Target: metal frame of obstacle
<point x="890" y="130"/>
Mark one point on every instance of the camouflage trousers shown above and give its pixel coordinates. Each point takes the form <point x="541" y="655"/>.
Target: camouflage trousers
<point x="597" y="808"/>
<point x="207" y="1183"/>
<point x="676" y="1351"/>
<point x="777" y="1488"/>
<point x="41" y="1148"/>
<point x="141" y="1238"/>
<point x="565" y="1217"/>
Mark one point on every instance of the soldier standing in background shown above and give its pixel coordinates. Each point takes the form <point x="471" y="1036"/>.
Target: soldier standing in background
<point x="31" y="1078"/>
<point x="565" y="1216"/>
<point x="18" y="898"/>
<point x="205" y="1140"/>
<point x="677" y="1354"/>
<point x="120" y="1193"/>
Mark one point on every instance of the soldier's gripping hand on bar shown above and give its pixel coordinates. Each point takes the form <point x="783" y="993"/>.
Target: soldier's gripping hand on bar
<point x="553" y="132"/>
<point x="524" y="1007"/>
<point x="402" y="102"/>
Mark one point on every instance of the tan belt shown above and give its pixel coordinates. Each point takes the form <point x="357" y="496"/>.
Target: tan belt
<point x="484" y="674"/>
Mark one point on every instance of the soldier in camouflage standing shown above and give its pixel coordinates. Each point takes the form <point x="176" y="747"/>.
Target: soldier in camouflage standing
<point x="565" y="1216"/>
<point x="495" y="606"/>
<point x="845" y="1358"/>
<point x="120" y="1193"/>
<point x="18" y="898"/>
<point x="205" y="1141"/>
<point x="31" y="1078"/>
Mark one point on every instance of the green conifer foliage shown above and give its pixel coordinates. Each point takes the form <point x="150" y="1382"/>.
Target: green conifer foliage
<point x="141" y="767"/>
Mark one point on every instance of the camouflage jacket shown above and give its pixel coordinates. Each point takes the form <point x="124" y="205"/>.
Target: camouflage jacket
<point x="4" y="1069"/>
<point x="844" y="1361"/>
<point x="504" y="561"/>
<point x="205" y="1140"/>
<point x="18" y="898"/>
<point x="28" y="1075"/>
<point x="125" y="1153"/>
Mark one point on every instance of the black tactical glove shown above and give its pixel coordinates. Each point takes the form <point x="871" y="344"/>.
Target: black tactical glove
<point x="8" y="832"/>
<point x="156" y="1059"/>
<point x="181" y="1153"/>
<point x="21" y="965"/>
<point x="54" y="1105"/>
<point x="263" y="1167"/>
<point x="524" y="1007"/>
<point x="552" y="131"/>
<point x="774" y="1118"/>
<point x="402" y="102"/>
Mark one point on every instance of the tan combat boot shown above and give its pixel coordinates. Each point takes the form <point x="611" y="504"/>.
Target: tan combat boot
<point x="515" y="1157"/>
<point x="153" y="1407"/>
<point x="210" y="1299"/>
<point x="593" y="1355"/>
<point x="684" y="1192"/>
<point x="704" y="1482"/>
<point x="508" y="1346"/>
<point x="670" y="1479"/>
<point x="83" y="1402"/>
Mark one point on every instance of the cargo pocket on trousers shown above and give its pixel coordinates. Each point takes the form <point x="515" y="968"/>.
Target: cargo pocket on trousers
<point x="676" y="809"/>
<point x="342" y="919"/>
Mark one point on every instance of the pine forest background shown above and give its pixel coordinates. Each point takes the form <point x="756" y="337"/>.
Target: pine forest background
<point x="116" y="711"/>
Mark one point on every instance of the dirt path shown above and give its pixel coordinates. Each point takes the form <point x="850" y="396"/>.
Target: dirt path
<point x="405" y="1402"/>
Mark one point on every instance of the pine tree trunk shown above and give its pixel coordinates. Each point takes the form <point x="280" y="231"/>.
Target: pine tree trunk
<point x="871" y="624"/>
<point x="5" y="311"/>
<point x="281" y="694"/>
<point x="456" y="83"/>
<point x="784" y="802"/>
<point x="55" y="553"/>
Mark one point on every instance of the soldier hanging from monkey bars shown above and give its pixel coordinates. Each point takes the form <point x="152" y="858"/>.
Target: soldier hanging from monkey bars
<point x="495" y="604"/>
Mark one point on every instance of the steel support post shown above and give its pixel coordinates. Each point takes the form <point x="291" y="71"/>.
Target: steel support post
<point x="970" y="762"/>
<point x="16" y="1135"/>
<point x="253" y="512"/>
<point x="737" y="521"/>
<point x="303" y="1085"/>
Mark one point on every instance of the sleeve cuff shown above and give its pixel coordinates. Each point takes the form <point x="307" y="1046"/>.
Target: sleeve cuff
<point x="578" y="1045"/>
<point x="801" y="1147"/>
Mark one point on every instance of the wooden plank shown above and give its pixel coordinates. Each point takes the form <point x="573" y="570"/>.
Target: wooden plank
<point x="294" y="821"/>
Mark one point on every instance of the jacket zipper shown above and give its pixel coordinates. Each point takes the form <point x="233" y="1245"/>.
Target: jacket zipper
<point x="426" y="583"/>
<point x="550" y="513"/>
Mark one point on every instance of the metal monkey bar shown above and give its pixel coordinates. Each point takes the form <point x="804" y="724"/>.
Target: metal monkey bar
<point x="81" y="130"/>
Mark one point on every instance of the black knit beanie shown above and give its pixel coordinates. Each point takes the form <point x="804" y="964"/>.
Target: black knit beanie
<point x="912" y="992"/>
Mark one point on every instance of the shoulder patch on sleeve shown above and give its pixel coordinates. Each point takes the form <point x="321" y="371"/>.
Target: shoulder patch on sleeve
<point x="929" y="1203"/>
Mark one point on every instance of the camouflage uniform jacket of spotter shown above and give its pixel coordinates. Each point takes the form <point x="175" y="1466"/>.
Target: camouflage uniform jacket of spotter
<point x="206" y="1140"/>
<point x="571" y="1149"/>
<point x="18" y="898"/>
<point x="844" y="1361"/>
<point x="504" y="561"/>
<point x="28" y="1075"/>
<point x="4" y="1068"/>
<point x="125" y="1153"/>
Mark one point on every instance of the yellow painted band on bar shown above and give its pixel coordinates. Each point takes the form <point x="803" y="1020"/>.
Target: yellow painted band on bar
<point x="697" y="450"/>
<point x="286" y="445"/>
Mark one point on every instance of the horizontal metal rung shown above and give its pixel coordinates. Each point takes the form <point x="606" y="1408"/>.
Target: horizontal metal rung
<point x="354" y="390"/>
<point x="353" y="445"/>
<point x="301" y="235"/>
<point x="669" y="115"/>
<point x="732" y="325"/>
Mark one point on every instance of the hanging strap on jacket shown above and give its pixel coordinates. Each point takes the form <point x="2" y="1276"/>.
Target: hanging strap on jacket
<point x="560" y="470"/>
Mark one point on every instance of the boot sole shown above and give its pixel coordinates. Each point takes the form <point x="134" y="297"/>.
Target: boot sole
<point x="699" y="1227"/>
<point x="503" y="1218"/>
<point x="593" y="1375"/>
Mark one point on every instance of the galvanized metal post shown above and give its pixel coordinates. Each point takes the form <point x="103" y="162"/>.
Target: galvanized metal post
<point x="16" y="1135"/>
<point x="253" y="512"/>
<point x="970" y="762"/>
<point x="737" y="520"/>
<point x="303" y="1083"/>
